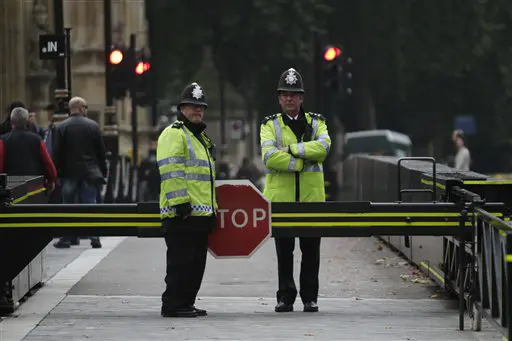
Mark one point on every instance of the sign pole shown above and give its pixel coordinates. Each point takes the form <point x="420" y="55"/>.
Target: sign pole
<point x="68" y="60"/>
<point x="133" y="64"/>
<point x="60" y="64"/>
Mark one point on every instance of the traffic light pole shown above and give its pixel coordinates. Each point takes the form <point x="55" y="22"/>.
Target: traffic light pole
<point x="107" y="30"/>
<point x="317" y="72"/>
<point x="61" y="99"/>
<point x="58" y="15"/>
<point x="68" y="60"/>
<point x="133" y="64"/>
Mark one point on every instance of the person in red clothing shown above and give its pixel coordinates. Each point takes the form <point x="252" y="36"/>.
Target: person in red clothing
<point x="23" y="152"/>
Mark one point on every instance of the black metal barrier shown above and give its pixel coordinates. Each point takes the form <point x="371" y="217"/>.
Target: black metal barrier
<point x="22" y="263"/>
<point x="476" y="269"/>
<point x="399" y="206"/>
<point x="331" y="219"/>
<point x="122" y="182"/>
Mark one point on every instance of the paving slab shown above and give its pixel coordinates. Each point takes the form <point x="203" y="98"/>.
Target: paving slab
<point x="248" y="318"/>
<point x="350" y="267"/>
<point x="366" y="293"/>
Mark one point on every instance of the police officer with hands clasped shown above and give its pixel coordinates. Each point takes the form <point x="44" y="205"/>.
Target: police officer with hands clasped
<point x="294" y="144"/>
<point x="185" y="156"/>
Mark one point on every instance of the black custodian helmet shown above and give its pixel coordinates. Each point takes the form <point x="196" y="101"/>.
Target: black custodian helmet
<point x="291" y="81"/>
<point x="193" y="94"/>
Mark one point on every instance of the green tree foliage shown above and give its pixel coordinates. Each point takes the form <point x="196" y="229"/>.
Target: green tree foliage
<point x="417" y="63"/>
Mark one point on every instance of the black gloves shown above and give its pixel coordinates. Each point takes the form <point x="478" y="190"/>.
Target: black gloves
<point x="183" y="210"/>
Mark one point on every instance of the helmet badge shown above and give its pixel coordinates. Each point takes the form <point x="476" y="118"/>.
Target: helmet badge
<point x="197" y="92"/>
<point x="291" y="78"/>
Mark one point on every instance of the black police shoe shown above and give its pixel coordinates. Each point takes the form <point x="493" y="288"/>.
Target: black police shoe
<point x="62" y="245"/>
<point x="282" y="307"/>
<point x="199" y="312"/>
<point x="310" y="307"/>
<point x="182" y="312"/>
<point x="96" y="244"/>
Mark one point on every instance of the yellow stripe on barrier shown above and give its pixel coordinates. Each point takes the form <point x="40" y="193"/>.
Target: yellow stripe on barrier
<point x="85" y="224"/>
<point x="28" y="195"/>
<point x="79" y="215"/>
<point x="362" y="215"/>
<point x="368" y="223"/>
<point x="487" y="182"/>
<point x="508" y="258"/>
<point x="432" y="271"/>
<point x="372" y="215"/>
<point x="431" y="183"/>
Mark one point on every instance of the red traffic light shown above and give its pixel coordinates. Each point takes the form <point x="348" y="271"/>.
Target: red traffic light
<point x="142" y="67"/>
<point x="332" y="53"/>
<point x="116" y="57"/>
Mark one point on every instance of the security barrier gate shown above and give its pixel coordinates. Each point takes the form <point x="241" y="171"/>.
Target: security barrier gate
<point x="482" y="280"/>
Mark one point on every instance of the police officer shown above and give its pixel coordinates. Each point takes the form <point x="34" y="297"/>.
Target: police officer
<point x="187" y="202"/>
<point x="294" y="144"/>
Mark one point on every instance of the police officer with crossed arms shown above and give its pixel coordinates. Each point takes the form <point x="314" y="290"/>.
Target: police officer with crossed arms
<point x="294" y="144"/>
<point x="185" y="156"/>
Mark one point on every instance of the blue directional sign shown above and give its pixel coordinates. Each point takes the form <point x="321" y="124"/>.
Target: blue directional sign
<point x="466" y="123"/>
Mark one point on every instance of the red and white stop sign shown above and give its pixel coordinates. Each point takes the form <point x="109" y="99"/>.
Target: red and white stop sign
<point x="243" y="220"/>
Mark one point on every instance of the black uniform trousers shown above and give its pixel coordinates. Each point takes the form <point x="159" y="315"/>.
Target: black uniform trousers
<point x="187" y="247"/>
<point x="309" y="268"/>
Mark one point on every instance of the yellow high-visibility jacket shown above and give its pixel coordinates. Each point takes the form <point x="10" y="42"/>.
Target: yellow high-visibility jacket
<point x="296" y="175"/>
<point x="187" y="171"/>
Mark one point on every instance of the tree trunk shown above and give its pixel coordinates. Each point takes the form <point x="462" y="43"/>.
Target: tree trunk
<point x="365" y="106"/>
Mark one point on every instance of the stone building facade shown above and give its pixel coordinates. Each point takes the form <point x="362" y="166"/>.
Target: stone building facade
<point x="23" y="76"/>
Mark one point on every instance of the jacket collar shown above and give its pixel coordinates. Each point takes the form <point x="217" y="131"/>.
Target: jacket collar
<point x="195" y="128"/>
<point x="301" y="116"/>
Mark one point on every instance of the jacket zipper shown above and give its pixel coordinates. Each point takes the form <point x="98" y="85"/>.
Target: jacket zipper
<point x="297" y="185"/>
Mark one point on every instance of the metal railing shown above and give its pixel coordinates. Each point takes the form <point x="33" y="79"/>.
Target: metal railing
<point x="492" y="266"/>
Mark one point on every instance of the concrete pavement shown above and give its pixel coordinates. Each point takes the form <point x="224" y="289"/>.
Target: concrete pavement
<point x="367" y="293"/>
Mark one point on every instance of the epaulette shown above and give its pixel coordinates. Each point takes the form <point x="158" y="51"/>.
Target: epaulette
<point x="269" y="118"/>
<point x="177" y="124"/>
<point x="319" y="116"/>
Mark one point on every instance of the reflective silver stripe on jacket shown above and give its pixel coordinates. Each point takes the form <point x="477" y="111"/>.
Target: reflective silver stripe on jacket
<point x="307" y="168"/>
<point x="278" y="132"/>
<point x="190" y="146"/>
<point x="267" y="143"/>
<point x="176" y="194"/>
<point x="314" y="123"/>
<point x="171" y="159"/>
<point x="292" y="164"/>
<point x="314" y="168"/>
<point x="196" y="176"/>
<point x="197" y="163"/>
<point x="322" y="138"/>
<point x="268" y="153"/>
<point x="301" y="150"/>
<point x="173" y="174"/>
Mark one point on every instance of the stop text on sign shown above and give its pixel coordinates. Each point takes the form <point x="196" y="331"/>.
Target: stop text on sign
<point x="240" y="218"/>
